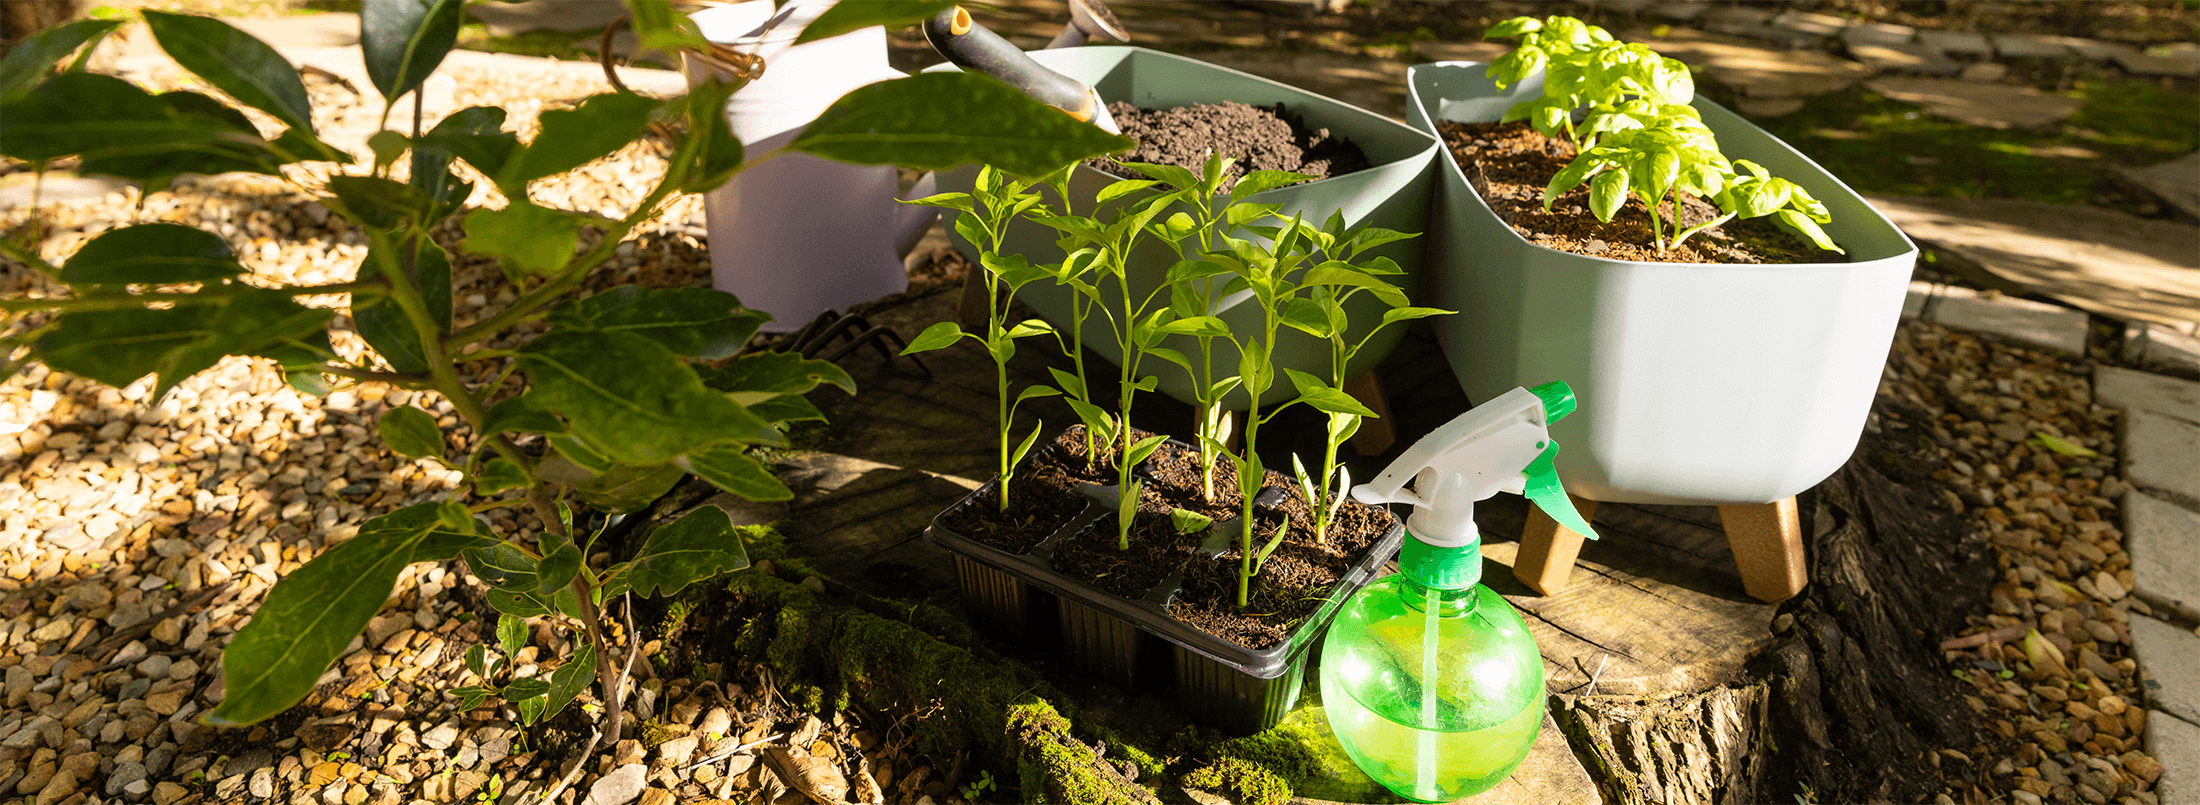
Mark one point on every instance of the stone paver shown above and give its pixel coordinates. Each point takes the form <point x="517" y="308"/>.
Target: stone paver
<point x="2164" y="348"/>
<point x="2163" y="453"/>
<point x="2176" y="745"/>
<point x="1431" y="50"/>
<point x="2028" y="46"/>
<point x="2130" y="389"/>
<point x="1681" y="12"/>
<point x="1809" y="22"/>
<point x="2164" y="540"/>
<point x="2172" y="655"/>
<point x="2093" y="49"/>
<point x="1908" y="57"/>
<point x="1877" y="33"/>
<point x="2144" y="64"/>
<point x="1994" y="106"/>
<point x="1964" y="43"/>
<point x="2104" y="261"/>
<point x="2022" y="320"/>
<point x="2176" y="181"/>
<point x="1758" y="72"/>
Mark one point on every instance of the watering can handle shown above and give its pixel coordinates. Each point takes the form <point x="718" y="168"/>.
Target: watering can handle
<point x="978" y="49"/>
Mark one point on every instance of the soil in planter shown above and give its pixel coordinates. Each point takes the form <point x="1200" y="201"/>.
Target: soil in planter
<point x="1511" y="163"/>
<point x="1156" y="550"/>
<point x="1042" y="498"/>
<point x="1292" y="583"/>
<point x="1260" y="137"/>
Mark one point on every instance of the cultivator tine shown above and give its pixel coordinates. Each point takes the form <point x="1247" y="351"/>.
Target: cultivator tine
<point x="811" y="341"/>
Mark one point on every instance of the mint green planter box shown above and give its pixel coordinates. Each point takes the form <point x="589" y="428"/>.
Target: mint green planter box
<point x="1698" y="383"/>
<point x="1394" y="194"/>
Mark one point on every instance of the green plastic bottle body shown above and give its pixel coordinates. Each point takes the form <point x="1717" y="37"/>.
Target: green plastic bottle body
<point x="1436" y="694"/>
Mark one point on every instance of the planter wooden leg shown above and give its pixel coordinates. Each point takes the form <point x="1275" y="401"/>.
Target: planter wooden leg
<point x="972" y="312"/>
<point x="1548" y="550"/>
<point x="1767" y="539"/>
<point x="1375" y="435"/>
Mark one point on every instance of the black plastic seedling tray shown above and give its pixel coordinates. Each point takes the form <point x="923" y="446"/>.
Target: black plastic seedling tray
<point x="1231" y="687"/>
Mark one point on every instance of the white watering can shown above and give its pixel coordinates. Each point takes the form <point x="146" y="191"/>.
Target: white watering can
<point x="797" y="235"/>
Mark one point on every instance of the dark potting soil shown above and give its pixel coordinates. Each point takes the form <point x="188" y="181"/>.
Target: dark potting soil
<point x="1511" y="163"/>
<point x="1041" y="499"/>
<point x="1260" y="137"/>
<point x="1156" y="551"/>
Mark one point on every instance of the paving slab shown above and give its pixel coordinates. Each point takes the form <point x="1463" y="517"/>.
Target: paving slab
<point x="1460" y="51"/>
<point x="1810" y="22"/>
<point x="1680" y="12"/>
<point x="2164" y="540"/>
<point x="1994" y="106"/>
<point x="2177" y="182"/>
<point x="2024" y="321"/>
<point x="2176" y="744"/>
<point x="2104" y="261"/>
<point x="1877" y="33"/>
<point x="1754" y="70"/>
<point x="2131" y="389"/>
<point x="2028" y="46"/>
<point x="2162" y="454"/>
<point x="1984" y="72"/>
<point x="2165" y="349"/>
<point x="1963" y="43"/>
<point x="2147" y="64"/>
<point x="2172" y="655"/>
<point x="1907" y="57"/>
<point x="2094" y="49"/>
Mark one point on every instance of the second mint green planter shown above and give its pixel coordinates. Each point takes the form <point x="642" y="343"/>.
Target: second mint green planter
<point x="1394" y="194"/>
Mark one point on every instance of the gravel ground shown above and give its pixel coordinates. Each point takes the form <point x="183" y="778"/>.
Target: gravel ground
<point x="2064" y="723"/>
<point x="136" y="536"/>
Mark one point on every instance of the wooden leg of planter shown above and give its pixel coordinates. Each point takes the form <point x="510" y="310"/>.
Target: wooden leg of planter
<point x="1767" y="539"/>
<point x="1375" y="435"/>
<point x="1548" y="550"/>
<point x="972" y="313"/>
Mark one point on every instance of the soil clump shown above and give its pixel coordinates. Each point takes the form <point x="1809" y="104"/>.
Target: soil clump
<point x="1259" y="137"/>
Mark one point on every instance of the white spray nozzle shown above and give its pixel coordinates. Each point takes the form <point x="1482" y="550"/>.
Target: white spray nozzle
<point x="1484" y="451"/>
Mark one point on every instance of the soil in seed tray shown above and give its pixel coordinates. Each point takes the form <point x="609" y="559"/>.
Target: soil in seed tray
<point x="1156" y="550"/>
<point x="1260" y="137"/>
<point x="1511" y="163"/>
<point x="1174" y="471"/>
<point x="1042" y="498"/>
<point x="1292" y="583"/>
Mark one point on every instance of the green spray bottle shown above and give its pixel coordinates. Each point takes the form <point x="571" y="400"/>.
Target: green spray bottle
<point x="1429" y="679"/>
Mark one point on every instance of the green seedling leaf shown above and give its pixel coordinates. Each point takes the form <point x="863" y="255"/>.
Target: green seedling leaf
<point x="387" y="147"/>
<point x="502" y="566"/>
<point x="1122" y="188"/>
<point x="696" y="322"/>
<point x="152" y="254"/>
<point x="1198" y="327"/>
<point x="633" y="400"/>
<point x="314" y="611"/>
<point x="1802" y="225"/>
<point x="760" y="376"/>
<point x="628" y="487"/>
<point x="523" y="689"/>
<point x="474" y="134"/>
<point x="935" y="121"/>
<point x="471" y="696"/>
<point x="411" y="432"/>
<point x="1398" y="314"/>
<point x="33" y="59"/>
<point x="845" y="17"/>
<point x="1188" y="522"/>
<point x="511" y="635"/>
<point x="477" y="660"/>
<point x="404" y="40"/>
<point x="783" y="409"/>
<point x="567" y="683"/>
<point x="519" y="415"/>
<point x="949" y="201"/>
<point x="377" y="202"/>
<point x="2062" y="446"/>
<point x="532" y="238"/>
<point x="1263" y="181"/>
<point x="731" y="469"/>
<point x="1513" y="27"/>
<point x="574" y="137"/>
<point x="1017" y="456"/>
<point x="661" y="27"/>
<point x="943" y="334"/>
<point x="236" y="63"/>
<point x="1145" y="447"/>
<point x="498" y="475"/>
<point x="557" y="569"/>
<point x="1314" y="392"/>
<point x="698" y="546"/>
<point x="1606" y="193"/>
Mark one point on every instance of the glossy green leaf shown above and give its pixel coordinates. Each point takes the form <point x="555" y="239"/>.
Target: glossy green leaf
<point x="535" y="239"/>
<point x="1513" y="27"/>
<point x="152" y="254"/>
<point x="731" y="469"/>
<point x="30" y="60"/>
<point x="402" y="41"/>
<point x="477" y="660"/>
<point x="663" y="28"/>
<point x="628" y="487"/>
<point x="699" y="545"/>
<point x="845" y="17"/>
<point x="584" y="459"/>
<point x="523" y="689"/>
<point x="1802" y="225"/>
<point x="1323" y="397"/>
<point x="236" y="63"/>
<point x="756" y="376"/>
<point x="518" y="414"/>
<point x="632" y="399"/>
<point x="411" y="432"/>
<point x="471" y="696"/>
<point x="574" y="137"/>
<point x="696" y="322"/>
<point x="936" y="121"/>
<point x="375" y="201"/>
<point x="118" y="347"/>
<point x="557" y="569"/>
<point x="501" y="566"/>
<point x="1398" y="314"/>
<point x="1266" y="180"/>
<point x="570" y="680"/>
<point x="718" y="154"/>
<point x="314" y="611"/>
<point x="783" y="410"/>
<point x="1186" y="521"/>
<point x="474" y="134"/>
<point x="386" y="328"/>
<point x="511" y="635"/>
<point x="497" y="475"/>
<point x="119" y="130"/>
<point x="1606" y="193"/>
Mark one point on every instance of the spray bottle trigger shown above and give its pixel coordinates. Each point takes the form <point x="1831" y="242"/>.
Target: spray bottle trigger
<point x="1544" y="490"/>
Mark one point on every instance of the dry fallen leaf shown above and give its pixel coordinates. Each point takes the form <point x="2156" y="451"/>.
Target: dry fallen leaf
<point x="817" y="779"/>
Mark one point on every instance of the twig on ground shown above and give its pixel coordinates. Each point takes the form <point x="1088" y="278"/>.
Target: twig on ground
<point x="737" y="750"/>
<point x="2001" y="635"/>
<point x="596" y="735"/>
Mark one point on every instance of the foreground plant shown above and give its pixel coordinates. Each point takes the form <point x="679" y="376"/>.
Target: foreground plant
<point x="628" y="390"/>
<point x="1638" y="136"/>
